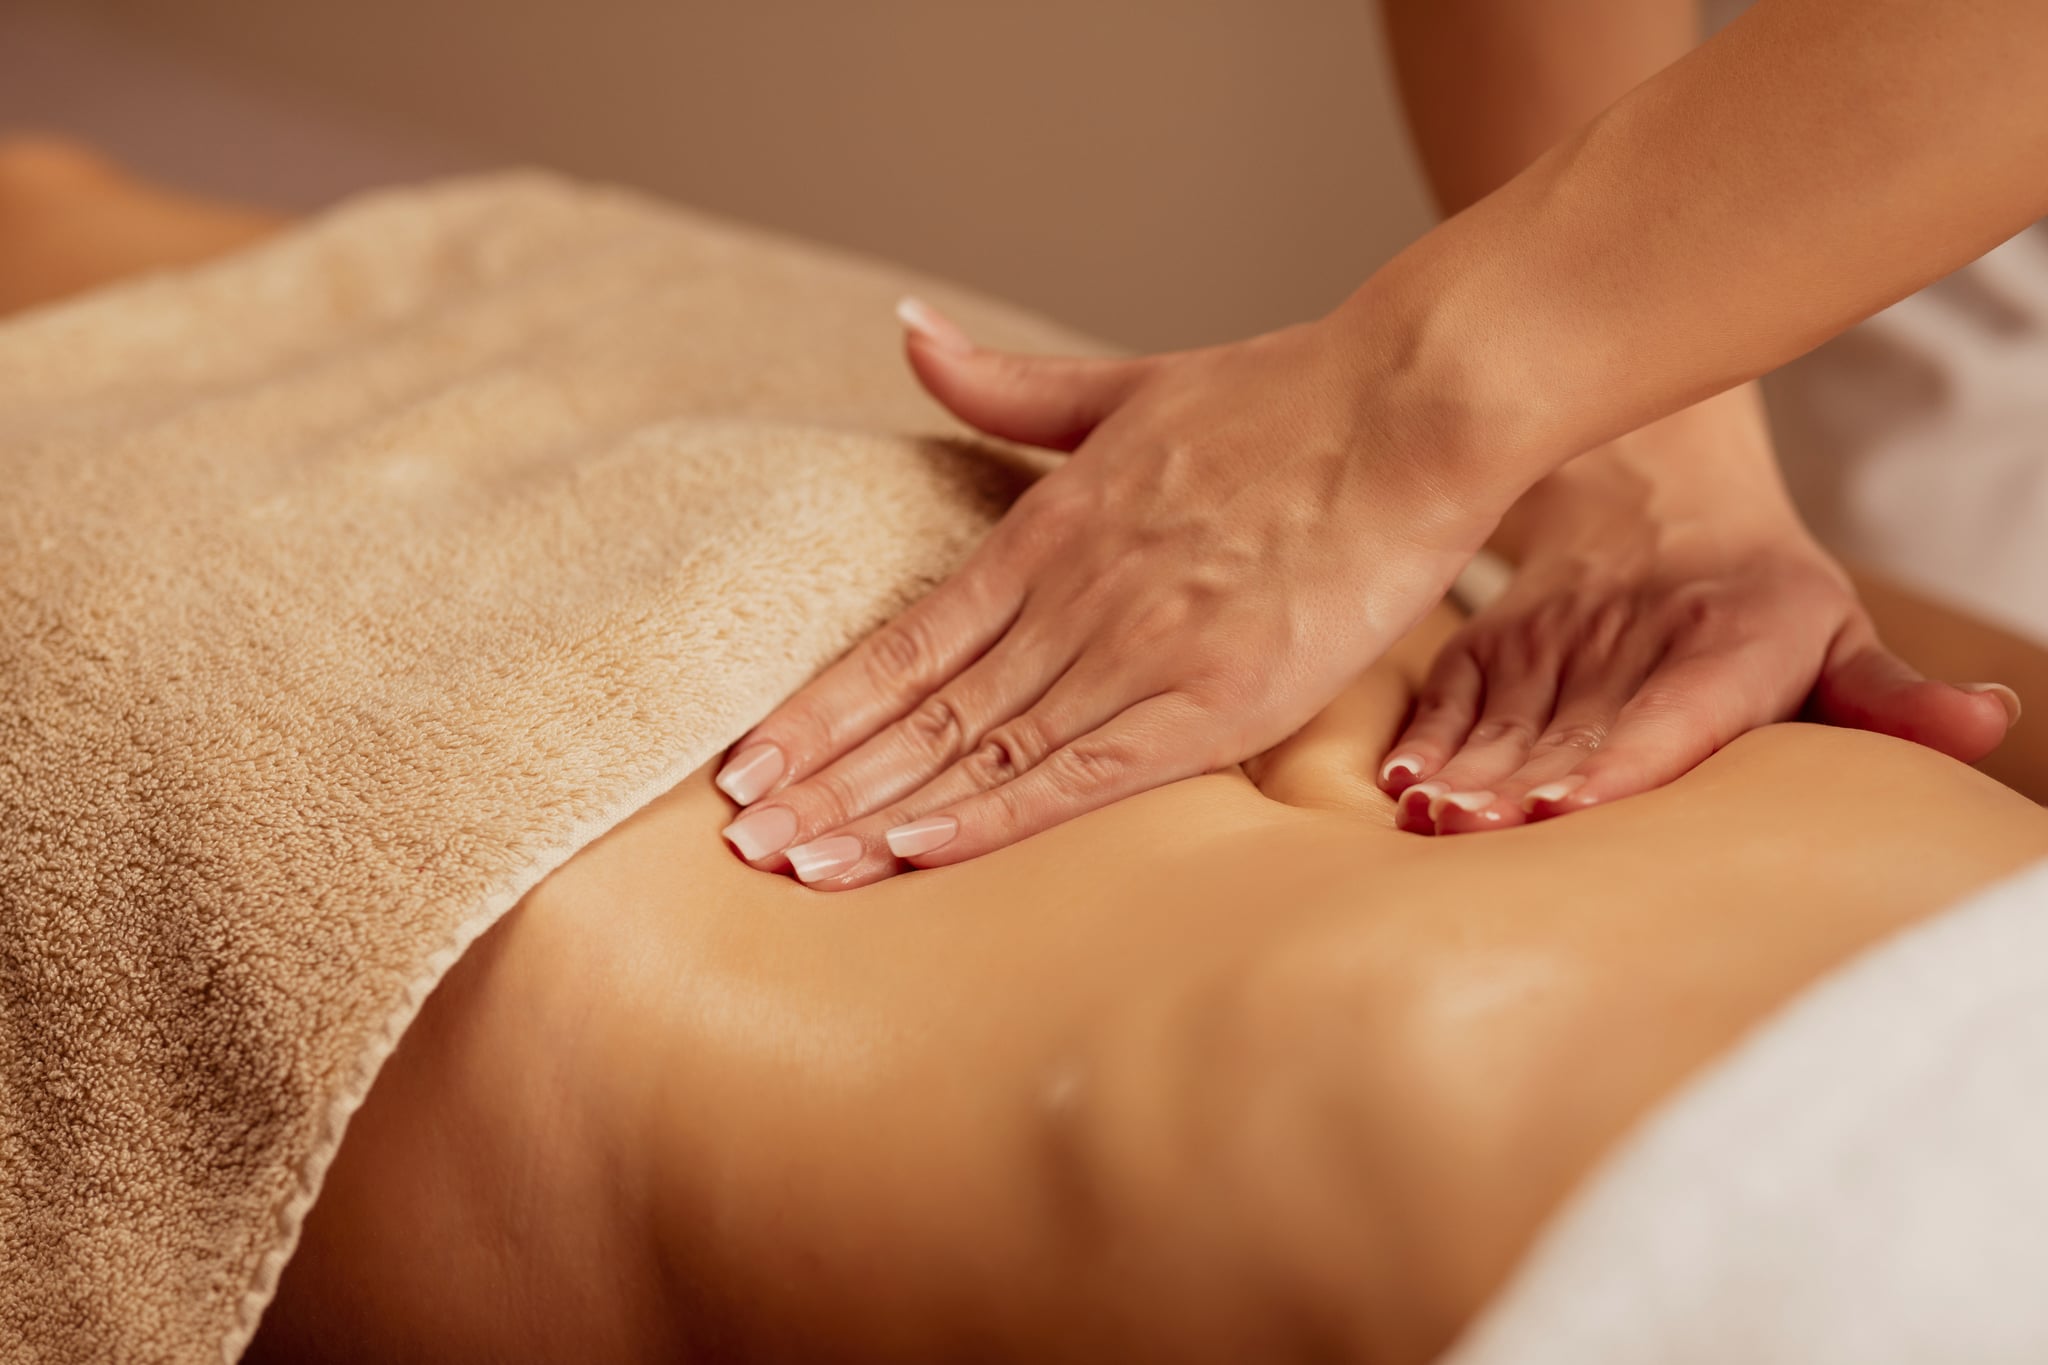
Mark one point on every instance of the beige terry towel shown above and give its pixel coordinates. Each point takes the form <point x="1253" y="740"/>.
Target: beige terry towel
<point x="347" y="587"/>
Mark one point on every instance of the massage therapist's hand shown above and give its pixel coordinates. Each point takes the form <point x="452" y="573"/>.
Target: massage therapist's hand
<point x="1240" y="530"/>
<point x="1667" y="600"/>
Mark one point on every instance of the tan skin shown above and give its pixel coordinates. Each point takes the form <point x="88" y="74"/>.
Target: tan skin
<point x="1226" y="1071"/>
<point x="1266" y="517"/>
<point x="70" y="219"/>
<point x="1230" y="1070"/>
<point x="1669" y="597"/>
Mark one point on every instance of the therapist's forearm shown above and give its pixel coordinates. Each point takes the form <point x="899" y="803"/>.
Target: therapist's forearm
<point x="1817" y="161"/>
<point x="1488" y="86"/>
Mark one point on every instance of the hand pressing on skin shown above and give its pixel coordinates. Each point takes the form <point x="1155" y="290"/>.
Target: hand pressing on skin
<point x="1238" y="532"/>
<point x="1667" y="600"/>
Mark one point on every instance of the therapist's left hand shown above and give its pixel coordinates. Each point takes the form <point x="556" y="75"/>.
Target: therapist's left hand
<point x="1240" y="530"/>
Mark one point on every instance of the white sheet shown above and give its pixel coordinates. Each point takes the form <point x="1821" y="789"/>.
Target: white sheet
<point x="1864" y="1180"/>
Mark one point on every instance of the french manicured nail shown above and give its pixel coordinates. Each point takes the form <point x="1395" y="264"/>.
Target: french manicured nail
<point x="1551" y="792"/>
<point x="2004" y="694"/>
<point x="1469" y="802"/>
<point x="759" y="833"/>
<point x="922" y="836"/>
<point x="752" y="771"/>
<point x="1408" y="765"/>
<point x="934" y="326"/>
<point x="1422" y="797"/>
<point x="822" y="858"/>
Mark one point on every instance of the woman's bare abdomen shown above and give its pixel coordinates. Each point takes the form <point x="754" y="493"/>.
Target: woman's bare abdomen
<point x="1232" y="1070"/>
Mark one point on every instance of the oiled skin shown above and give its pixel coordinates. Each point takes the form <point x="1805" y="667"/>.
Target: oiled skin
<point x="1229" y="1071"/>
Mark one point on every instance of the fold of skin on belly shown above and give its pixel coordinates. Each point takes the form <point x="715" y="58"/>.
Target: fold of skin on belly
<point x="1229" y="1071"/>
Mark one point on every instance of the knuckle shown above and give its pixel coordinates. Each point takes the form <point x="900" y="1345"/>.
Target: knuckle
<point x="1016" y="746"/>
<point x="1503" y="730"/>
<point x="1583" y="736"/>
<point x="901" y="657"/>
<point x="937" y="727"/>
<point x="1087" y="766"/>
<point x="994" y="763"/>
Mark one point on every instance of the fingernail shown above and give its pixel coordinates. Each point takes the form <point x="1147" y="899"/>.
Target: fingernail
<point x="1469" y="802"/>
<point x="1422" y="796"/>
<point x="759" y="833"/>
<point x="1407" y="764"/>
<point x="822" y="858"/>
<point x="1551" y="792"/>
<point x="922" y="836"/>
<point x="752" y="771"/>
<point x="2005" y="694"/>
<point x="934" y="326"/>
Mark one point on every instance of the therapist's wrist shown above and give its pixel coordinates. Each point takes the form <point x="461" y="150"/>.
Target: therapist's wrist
<point x="1445" y="384"/>
<point x="1528" y="315"/>
<point x="1709" y="466"/>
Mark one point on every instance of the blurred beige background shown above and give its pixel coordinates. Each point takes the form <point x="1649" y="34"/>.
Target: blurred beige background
<point x="1162" y="172"/>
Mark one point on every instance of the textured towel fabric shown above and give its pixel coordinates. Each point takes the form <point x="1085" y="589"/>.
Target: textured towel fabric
<point x="1865" y="1179"/>
<point x="347" y="587"/>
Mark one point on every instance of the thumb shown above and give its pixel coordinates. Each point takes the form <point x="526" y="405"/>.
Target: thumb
<point x="1866" y="686"/>
<point x="1050" y="401"/>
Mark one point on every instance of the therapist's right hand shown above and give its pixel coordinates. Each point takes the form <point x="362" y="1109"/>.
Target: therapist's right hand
<point x="1667" y="600"/>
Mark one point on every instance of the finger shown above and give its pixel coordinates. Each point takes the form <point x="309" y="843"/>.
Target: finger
<point x="1521" y="690"/>
<point x="1051" y="401"/>
<point x="1161" y="739"/>
<point x="1865" y="685"/>
<point x="906" y="755"/>
<point x="862" y="852"/>
<point x="1549" y="773"/>
<point x="1604" y="675"/>
<point x="876" y="682"/>
<point x="1444" y="711"/>
<point x="1684" y="711"/>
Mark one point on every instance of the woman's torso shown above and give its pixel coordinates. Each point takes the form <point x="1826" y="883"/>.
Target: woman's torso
<point x="1445" y="1032"/>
